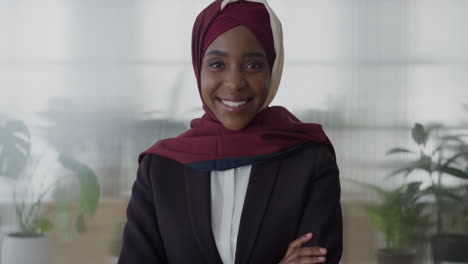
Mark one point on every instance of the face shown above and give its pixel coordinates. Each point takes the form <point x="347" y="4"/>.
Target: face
<point x="235" y="77"/>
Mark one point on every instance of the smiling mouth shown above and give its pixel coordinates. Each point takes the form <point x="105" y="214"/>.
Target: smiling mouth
<point x="234" y="104"/>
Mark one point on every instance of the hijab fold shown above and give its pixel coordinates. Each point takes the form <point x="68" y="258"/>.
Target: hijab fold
<point x="273" y="132"/>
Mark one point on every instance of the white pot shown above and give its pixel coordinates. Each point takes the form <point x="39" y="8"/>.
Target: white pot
<point x="25" y="250"/>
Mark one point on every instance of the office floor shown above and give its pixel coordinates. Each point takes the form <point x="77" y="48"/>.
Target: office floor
<point x="94" y="247"/>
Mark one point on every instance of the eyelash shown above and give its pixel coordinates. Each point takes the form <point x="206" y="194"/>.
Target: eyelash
<point x="212" y="65"/>
<point x="257" y="65"/>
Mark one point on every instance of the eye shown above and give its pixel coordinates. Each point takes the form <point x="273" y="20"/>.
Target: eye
<point x="216" y="64"/>
<point x="255" y="65"/>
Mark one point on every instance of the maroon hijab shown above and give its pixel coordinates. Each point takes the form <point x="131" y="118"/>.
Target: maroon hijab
<point x="274" y="131"/>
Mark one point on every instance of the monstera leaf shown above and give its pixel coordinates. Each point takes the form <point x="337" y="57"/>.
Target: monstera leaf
<point x="15" y="147"/>
<point x="89" y="187"/>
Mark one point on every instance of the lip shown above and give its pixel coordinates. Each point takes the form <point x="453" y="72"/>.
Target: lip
<point x="234" y="109"/>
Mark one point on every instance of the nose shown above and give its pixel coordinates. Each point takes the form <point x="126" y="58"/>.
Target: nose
<point x="235" y="79"/>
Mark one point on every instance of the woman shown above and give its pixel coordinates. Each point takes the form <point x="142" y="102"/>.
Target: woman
<point x="248" y="183"/>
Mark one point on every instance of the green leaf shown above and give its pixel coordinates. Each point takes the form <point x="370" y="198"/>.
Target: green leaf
<point x="424" y="163"/>
<point x="400" y="215"/>
<point x="380" y="219"/>
<point x="442" y="192"/>
<point x="89" y="191"/>
<point x="398" y="150"/>
<point x="411" y="193"/>
<point x="452" y="159"/>
<point x="80" y="224"/>
<point x="89" y="187"/>
<point x="454" y="172"/>
<point x="15" y="148"/>
<point x="405" y="170"/>
<point x="43" y="225"/>
<point x="457" y="138"/>
<point x="419" y="134"/>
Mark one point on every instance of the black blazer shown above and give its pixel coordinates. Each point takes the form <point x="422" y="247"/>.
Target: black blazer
<point x="169" y="213"/>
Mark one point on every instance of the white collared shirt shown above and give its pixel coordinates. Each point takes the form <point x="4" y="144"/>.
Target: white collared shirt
<point x="228" y="189"/>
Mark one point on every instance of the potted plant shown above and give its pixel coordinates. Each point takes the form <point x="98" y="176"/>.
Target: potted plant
<point x="401" y="216"/>
<point x="442" y="161"/>
<point x="30" y="244"/>
<point x="451" y="245"/>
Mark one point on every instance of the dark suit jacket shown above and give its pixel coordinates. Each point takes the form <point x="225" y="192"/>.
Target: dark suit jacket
<point x="169" y="213"/>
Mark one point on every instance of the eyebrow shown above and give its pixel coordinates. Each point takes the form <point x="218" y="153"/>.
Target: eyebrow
<point x="254" y="54"/>
<point x="216" y="53"/>
<point x="225" y="54"/>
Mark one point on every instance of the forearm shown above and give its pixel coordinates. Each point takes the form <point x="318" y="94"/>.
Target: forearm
<point x="322" y="214"/>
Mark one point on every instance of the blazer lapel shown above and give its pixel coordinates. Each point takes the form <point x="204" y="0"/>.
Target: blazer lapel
<point x="199" y="204"/>
<point x="262" y="180"/>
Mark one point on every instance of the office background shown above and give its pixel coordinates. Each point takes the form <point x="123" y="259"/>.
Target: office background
<point x="103" y="80"/>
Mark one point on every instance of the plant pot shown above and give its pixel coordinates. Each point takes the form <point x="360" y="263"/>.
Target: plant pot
<point x="449" y="248"/>
<point x="20" y="249"/>
<point x="386" y="256"/>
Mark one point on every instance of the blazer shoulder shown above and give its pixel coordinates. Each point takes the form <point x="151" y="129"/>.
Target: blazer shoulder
<point x="158" y="167"/>
<point x="314" y="151"/>
<point x="311" y="159"/>
<point x="158" y="161"/>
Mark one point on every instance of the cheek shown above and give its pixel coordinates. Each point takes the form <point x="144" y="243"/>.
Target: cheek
<point x="208" y="87"/>
<point x="263" y="86"/>
<point x="266" y="87"/>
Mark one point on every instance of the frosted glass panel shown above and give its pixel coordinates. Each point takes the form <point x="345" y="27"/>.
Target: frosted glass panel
<point x="104" y="80"/>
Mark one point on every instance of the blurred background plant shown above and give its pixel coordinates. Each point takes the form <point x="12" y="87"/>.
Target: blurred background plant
<point x="15" y="148"/>
<point x="18" y="164"/>
<point x="457" y="213"/>
<point x="401" y="215"/>
<point x="443" y="158"/>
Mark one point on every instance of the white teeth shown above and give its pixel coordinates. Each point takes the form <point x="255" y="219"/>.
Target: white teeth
<point x="234" y="104"/>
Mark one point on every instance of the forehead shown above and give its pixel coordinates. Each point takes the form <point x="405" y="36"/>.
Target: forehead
<point x="236" y="40"/>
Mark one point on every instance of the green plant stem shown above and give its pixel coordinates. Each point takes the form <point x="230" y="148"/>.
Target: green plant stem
<point x="438" y="198"/>
<point x="438" y="205"/>
<point x="27" y="216"/>
<point x="436" y="195"/>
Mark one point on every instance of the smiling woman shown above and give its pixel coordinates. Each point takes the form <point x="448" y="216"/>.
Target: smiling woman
<point x="247" y="183"/>
<point x="235" y="76"/>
